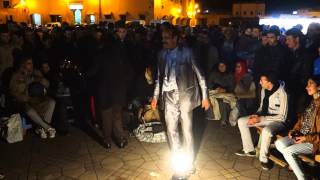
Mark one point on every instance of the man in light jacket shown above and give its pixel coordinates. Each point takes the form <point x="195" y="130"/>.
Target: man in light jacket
<point x="271" y="115"/>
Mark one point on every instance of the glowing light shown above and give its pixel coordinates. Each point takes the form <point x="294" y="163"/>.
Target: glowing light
<point x="196" y="6"/>
<point x="75" y="6"/>
<point x="295" y="12"/>
<point x="288" y="22"/>
<point x="190" y="10"/>
<point x="22" y="2"/>
<point x="175" y="12"/>
<point x="198" y="11"/>
<point x="181" y="162"/>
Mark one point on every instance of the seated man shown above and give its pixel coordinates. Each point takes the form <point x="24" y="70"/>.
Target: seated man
<point x="271" y="115"/>
<point x="37" y="105"/>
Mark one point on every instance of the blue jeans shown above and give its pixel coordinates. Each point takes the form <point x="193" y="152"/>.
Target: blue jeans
<point x="290" y="150"/>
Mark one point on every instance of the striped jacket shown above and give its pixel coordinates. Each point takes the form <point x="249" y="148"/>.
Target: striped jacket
<point x="278" y="105"/>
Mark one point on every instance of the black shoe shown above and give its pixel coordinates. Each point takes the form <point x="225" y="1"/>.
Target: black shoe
<point x="266" y="166"/>
<point x="242" y="153"/>
<point x="107" y="145"/>
<point x="123" y="143"/>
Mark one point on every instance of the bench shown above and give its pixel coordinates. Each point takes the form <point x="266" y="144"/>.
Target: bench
<point x="308" y="159"/>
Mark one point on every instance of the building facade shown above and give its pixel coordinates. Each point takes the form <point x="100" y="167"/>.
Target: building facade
<point x="248" y="10"/>
<point x="91" y="11"/>
<point x="308" y="12"/>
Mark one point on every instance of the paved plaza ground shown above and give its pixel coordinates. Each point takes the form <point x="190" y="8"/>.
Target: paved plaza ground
<point x="79" y="156"/>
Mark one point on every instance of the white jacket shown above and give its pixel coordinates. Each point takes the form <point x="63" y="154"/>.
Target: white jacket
<point x="278" y="105"/>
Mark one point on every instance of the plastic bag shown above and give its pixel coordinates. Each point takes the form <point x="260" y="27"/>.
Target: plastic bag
<point x="11" y="129"/>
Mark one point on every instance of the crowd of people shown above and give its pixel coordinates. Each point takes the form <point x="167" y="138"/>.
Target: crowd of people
<point x="108" y="66"/>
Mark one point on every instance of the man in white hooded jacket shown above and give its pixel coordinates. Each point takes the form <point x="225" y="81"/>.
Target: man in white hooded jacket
<point x="271" y="115"/>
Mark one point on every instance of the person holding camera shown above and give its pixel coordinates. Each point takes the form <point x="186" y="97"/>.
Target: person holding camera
<point x="28" y="87"/>
<point x="304" y="137"/>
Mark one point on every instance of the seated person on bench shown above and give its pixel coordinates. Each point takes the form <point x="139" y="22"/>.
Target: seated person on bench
<point x="304" y="137"/>
<point x="271" y="115"/>
<point x="28" y="86"/>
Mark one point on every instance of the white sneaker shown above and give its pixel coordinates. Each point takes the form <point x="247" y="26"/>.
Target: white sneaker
<point x="51" y="133"/>
<point x="42" y="133"/>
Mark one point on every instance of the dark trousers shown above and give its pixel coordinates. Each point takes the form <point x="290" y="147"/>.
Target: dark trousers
<point x="112" y="122"/>
<point x="224" y="111"/>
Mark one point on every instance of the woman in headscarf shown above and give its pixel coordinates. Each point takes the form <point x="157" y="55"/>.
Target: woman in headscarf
<point x="245" y="89"/>
<point x="221" y="79"/>
<point x="304" y="138"/>
<point x="221" y="86"/>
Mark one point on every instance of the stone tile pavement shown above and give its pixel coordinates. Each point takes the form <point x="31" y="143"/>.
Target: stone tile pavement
<point x="79" y="156"/>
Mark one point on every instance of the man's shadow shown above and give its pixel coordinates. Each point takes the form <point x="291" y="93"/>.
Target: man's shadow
<point x="199" y="125"/>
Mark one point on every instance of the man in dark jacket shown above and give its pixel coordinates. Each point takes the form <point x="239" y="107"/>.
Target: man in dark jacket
<point x="177" y="86"/>
<point x="113" y="68"/>
<point x="271" y="58"/>
<point x="300" y="68"/>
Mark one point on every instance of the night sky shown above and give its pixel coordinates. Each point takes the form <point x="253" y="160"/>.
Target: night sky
<point x="272" y="6"/>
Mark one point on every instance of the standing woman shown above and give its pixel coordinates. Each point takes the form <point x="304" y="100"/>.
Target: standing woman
<point x="304" y="137"/>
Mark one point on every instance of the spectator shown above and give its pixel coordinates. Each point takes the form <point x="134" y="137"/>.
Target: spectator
<point x="245" y="89"/>
<point x="271" y="57"/>
<point x="256" y="30"/>
<point x="246" y="47"/>
<point x="313" y="39"/>
<point x="271" y="115"/>
<point x="37" y="105"/>
<point x="304" y="137"/>
<point x="264" y="39"/>
<point x="316" y="64"/>
<point x="29" y="43"/>
<point x="111" y="63"/>
<point x="6" y="49"/>
<point x="221" y="86"/>
<point x="207" y="53"/>
<point x="227" y="51"/>
<point x="221" y="79"/>
<point x="300" y="67"/>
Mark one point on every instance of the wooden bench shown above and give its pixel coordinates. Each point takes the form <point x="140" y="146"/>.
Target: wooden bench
<point x="309" y="159"/>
